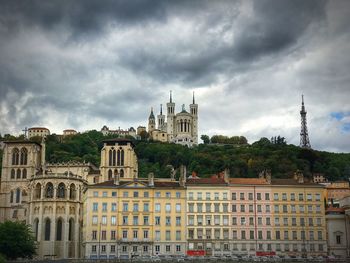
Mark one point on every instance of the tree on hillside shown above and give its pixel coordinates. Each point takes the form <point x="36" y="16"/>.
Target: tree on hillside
<point x="16" y="240"/>
<point x="205" y="139"/>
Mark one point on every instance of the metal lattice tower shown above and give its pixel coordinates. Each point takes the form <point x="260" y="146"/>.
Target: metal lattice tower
<point x="304" y="136"/>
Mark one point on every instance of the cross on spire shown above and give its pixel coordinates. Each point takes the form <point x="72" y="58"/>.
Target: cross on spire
<point x="25" y="130"/>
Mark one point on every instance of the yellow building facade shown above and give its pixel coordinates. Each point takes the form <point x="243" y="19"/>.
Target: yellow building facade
<point x="299" y="217"/>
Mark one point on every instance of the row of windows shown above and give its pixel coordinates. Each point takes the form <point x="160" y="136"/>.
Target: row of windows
<point x="207" y="196"/>
<point x="136" y="235"/>
<point x="116" y="158"/>
<point x="253" y="234"/>
<point x="59" y="231"/>
<point x="136" y="207"/>
<point x="208" y="207"/>
<point x="19" y="157"/>
<point x="242" y="196"/>
<point x="250" y="196"/>
<point x="259" y="247"/>
<point x="136" y="220"/>
<point x="136" y="194"/>
<point x="292" y="208"/>
<point x="15" y="196"/>
<point x="208" y="220"/>
<point x="61" y="191"/>
<point x="19" y="173"/>
<point x="135" y="249"/>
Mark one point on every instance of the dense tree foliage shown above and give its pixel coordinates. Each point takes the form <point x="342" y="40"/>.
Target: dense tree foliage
<point x="16" y="240"/>
<point x="243" y="159"/>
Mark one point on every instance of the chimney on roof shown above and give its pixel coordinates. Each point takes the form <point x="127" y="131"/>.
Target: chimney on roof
<point x="116" y="178"/>
<point x="299" y="177"/>
<point x="227" y="175"/>
<point x="266" y="174"/>
<point x="182" y="179"/>
<point x="151" y="179"/>
<point x="183" y="170"/>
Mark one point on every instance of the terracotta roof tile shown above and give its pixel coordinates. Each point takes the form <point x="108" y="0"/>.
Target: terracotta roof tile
<point x="292" y="182"/>
<point x="210" y="181"/>
<point x="259" y="181"/>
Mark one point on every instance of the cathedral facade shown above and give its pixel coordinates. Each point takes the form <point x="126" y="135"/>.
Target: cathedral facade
<point x="180" y="128"/>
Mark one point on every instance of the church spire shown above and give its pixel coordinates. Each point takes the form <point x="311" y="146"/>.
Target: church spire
<point x="151" y="116"/>
<point x="193" y="102"/>
<point x="161" y="109"/>
<point x="171" y="98"/>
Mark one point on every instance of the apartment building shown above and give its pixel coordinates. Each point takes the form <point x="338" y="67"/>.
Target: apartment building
<point x="208" y="216"/>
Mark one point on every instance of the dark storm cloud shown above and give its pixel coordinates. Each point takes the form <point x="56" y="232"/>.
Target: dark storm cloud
<point x="273" y="27"/>
<point x="82" y="64"/>
<point x="81" y="16"/>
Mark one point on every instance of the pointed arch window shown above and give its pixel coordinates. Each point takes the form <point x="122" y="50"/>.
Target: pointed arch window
<point x="72" y="192"/>
<point x="11" y="197"/>
<point x="49" y="190"/>
<point x="59" y="230"/>
<point x="122" y="158"/>
<point x="71" y="229"/>
<point x="24" y="173"/>
<point x="47" y="229"/>
<point x="18" y="195"/>
<point x="15" y="156"/>
<point x="118" y="158"/>
<point x="121" y="173"/>
<point x="110" y="175"/>
<point x="110" y="157"/>
<point x="61" y="191"/>
<point x="13" y="173"/>
<point x="36" y="228"/>
<point x="24" y="156"/>
<point x="113" y="155"/>
<point x="18" y="175"/>
<point x="37" y="192"/>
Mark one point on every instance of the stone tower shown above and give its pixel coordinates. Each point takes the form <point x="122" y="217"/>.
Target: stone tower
<point x="194" y="113"/>
<point x="21" y="160"/>
<point x="118" y="160"/>
<point x="151" y="122"/>
<point x="161" y="120"/>
<point x="170" y="118"/>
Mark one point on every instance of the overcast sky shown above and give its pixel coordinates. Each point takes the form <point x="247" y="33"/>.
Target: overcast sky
<point x="85" y="64"/>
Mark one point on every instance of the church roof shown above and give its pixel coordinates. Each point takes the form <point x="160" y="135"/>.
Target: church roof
<point x="120" y="141"/>
<point x="151" y="116"/>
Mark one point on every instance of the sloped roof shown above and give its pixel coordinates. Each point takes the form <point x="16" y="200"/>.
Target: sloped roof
<point x="293" y="182"/>
<point x="253" y="181"/>
<point x="204" y="181"/>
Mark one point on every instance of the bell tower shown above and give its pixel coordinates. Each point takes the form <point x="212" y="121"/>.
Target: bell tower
<point x="151" y="122"/>
<point x="194" y="113"/>
<point x="170" y="118"/>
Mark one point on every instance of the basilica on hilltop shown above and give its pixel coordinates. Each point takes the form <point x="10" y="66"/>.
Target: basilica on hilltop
<point x="180" y="128"/>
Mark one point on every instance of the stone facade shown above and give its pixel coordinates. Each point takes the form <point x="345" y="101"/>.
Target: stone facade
<point x="180" y="128"/>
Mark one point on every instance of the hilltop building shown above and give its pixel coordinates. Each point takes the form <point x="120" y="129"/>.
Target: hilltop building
<point x="120" y="132"/>
<point x="68" y="132"/>
<point x="37" y="131"/>
<point x="180" y="128"/>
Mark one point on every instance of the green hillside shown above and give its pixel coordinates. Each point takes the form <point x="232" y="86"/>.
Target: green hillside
<point x="243" y="160"/>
